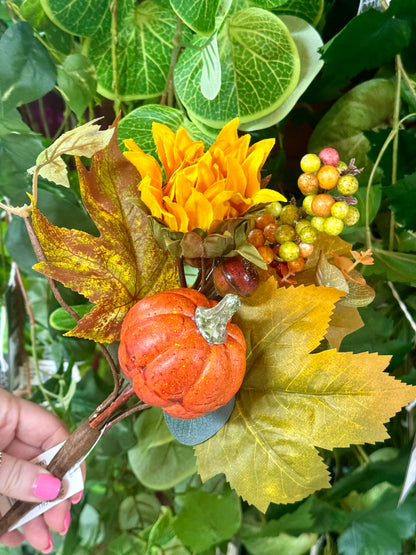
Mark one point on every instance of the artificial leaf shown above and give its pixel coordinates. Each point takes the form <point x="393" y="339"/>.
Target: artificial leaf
<point x="211" y="69"/>
<point x="84" y="140"/>
<point x="397" y="266"/>
<point x="199" y="15"/>
<point x="392" y="524"/>
<point x="292" y="401"/>
<point x="344" y="320"/>
<point x="78" y="17"/>
<point x="28" y="72"/>
<point x="206" y="519"/>
<point x="142" y="52"/>
<point x="402" y="201"/>
<point x="137" y="125"/>
<point x="310" y="10"/>
<point x="77" y="82"/>
<point x="120" y="266"/>
<point x="260" y="68"/>
<point x="367" y="41"/>
<point x="308" y="42"/>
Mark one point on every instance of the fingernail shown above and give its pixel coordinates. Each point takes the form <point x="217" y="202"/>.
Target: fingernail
<point x="47" y="487"/>
<point x="50" y="545"/>
<point x="77" y="497"/>
<point x="67" y="521"/>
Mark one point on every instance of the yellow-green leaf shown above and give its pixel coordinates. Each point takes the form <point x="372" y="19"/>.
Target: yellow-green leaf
<point x="292" y="401"/>
<point x="120" y="266"/>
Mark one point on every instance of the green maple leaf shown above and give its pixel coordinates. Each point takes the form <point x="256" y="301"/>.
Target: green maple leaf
<point x="292" y="401"/>
<point x="120" y="266"/>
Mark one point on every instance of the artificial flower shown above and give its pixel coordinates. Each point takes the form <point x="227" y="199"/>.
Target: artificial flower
<point x="201" y="189"/>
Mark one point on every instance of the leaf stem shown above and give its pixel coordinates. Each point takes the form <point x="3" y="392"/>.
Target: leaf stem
<point x="388" y="140"/>
<point x="114" y="44"/>
<point x="169" y="91"/>
<point x="403" y="307"/>
<point x="396" y="116"/>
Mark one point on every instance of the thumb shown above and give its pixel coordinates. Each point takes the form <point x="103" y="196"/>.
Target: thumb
<point x="26" y="481"/>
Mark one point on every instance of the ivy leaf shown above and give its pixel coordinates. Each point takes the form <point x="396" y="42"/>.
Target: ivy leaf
<point x="120" y="266"/>
<point x="292" y="401"/>
<point x="402" y="200"/>
<point x="260" y="68"/>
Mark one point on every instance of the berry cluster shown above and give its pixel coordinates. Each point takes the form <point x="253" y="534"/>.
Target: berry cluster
<point x="283" y="238"/>
<point x="325" y="172"/>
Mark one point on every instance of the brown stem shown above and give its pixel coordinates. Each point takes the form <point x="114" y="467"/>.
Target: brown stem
<point x="181" y="272"/>
<point x="74" y="450"/>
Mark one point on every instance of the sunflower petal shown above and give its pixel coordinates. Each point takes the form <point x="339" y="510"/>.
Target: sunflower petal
<point x="267" y="195"/>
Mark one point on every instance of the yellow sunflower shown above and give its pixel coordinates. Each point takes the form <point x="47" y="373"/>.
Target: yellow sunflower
<point x="201" y="189"/>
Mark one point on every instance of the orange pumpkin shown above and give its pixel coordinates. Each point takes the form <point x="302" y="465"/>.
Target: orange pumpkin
<point x="170" y="362"/>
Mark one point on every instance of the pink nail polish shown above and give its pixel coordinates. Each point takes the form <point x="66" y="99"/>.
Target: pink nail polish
<point x="67" y="521"/>
<point x="77" y="497"/>
<point x="50" y="545"/>
<point x="47" y="487"/>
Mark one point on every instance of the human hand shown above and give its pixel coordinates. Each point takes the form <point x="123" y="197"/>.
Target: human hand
<point x="27" y="430"/>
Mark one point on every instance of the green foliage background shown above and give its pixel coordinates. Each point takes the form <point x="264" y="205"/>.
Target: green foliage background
<point x="61" y="66"/>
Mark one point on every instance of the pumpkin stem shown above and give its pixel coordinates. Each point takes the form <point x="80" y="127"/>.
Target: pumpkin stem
<point x="212" y="322"/>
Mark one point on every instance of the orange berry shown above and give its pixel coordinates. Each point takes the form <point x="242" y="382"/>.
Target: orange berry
<point x="256" y="237"/>
<point x="266" y="253"/>
<point x="321" y="205"/>
<point x="328" y="177"/>
<point x="305" y="249"/>
<point x="269" y="232"/>
<point x="264" y="219"/>
<point x="308" y="183"/>
<point x="296" y="265"/>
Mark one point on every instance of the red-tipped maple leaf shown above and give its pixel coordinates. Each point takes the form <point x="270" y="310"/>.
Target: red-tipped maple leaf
<point x="120" y="266"/>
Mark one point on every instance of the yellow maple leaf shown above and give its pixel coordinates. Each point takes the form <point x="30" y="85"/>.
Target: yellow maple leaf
<point x="292" y="401"/>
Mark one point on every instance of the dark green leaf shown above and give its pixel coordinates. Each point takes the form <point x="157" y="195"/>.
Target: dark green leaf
<point x="367" y="41"/>
<point x="396" y="266"/>
<point x="27" y="71"/>
<point x="310" y="10"/>
<point x="380" y="528"/>
<point x="402" y="197"/>
<point x="77" y="82"/>
<point x="138" y="512"/>
<point x="206" y="519"/>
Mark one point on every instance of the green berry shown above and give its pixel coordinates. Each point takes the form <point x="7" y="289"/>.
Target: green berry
<point x="339" y="210"/>
<point x="301" y="224"/>
<point x="308" y="234"/>
<point x="274" y="208"/>
<point x="289" y="215"/>
<point x="289" y="251"/>
<point x="352" y="217"/>
<point x="310" y="163"/>
<point x="333" y="226"/>
<point x="347" y="184"/>
<point x="285" y="233"/>
<point x="318" y="223"/>
<point x="307" y="202"/>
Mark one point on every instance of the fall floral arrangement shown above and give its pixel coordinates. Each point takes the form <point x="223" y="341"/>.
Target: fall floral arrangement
<point x="184" y="244"/>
